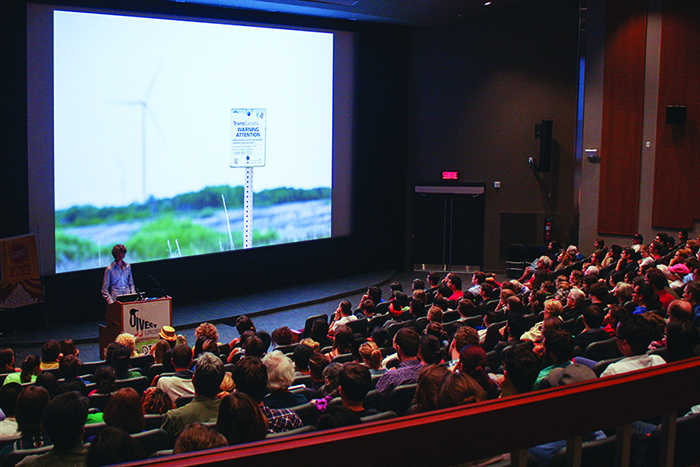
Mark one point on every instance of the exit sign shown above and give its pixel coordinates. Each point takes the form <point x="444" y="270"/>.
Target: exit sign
<point x="450" y="175"/>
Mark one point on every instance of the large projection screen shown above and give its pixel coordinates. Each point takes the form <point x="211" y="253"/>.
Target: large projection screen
<point x="131" y="128"/>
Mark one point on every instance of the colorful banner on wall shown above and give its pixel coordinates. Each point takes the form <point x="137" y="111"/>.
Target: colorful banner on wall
<point x="20" y="281"/>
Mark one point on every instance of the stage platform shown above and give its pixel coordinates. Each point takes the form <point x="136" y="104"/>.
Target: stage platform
<point x="289" y="306"/>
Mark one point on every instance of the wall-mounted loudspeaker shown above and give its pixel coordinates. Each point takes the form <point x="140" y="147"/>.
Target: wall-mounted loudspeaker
<point x="676" y="114"/>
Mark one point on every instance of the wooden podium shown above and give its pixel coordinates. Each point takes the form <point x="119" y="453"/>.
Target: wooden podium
<point x="143" y="319"/>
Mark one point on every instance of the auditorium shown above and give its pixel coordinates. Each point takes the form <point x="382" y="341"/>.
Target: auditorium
<point x="269" y="164"/>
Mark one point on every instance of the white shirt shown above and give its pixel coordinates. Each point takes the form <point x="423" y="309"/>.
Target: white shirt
<point x="636" y="362"/>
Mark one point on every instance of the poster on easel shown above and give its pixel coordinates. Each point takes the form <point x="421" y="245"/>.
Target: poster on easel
<point x="20" y="280"/>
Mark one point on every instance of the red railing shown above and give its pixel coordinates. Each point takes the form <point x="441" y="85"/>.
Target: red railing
<point x="509" y="425"/>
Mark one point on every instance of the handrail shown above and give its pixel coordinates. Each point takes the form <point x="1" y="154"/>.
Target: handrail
<point x="458" y="435"/>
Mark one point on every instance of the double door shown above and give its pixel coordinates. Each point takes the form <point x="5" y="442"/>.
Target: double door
<point x="448" y="227"/>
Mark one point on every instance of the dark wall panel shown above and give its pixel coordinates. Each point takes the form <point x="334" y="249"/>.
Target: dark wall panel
<point x="623" y="94"/>
<point x="676" y="201"/>
<point x="477" y="90"/>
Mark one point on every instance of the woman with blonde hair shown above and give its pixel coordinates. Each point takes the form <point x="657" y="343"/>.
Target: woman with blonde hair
<point x="372" y="357"/>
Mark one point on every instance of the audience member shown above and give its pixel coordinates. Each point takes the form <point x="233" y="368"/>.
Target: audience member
<point x="459" y="389"/>
<point x="240" y="419"/>
<point x="208" y="374"/>
<point x="199" y="437"/>
<point x="125" y="410"/>
<point x="7" y="361"/>
<point x="250" y="376"/>
<point x="29" y="373"/>
<point x="302" y="354"/>
<point x="64" y="421"/>
<point x="355" y="382"/>
<point x="50" y="355"/>
<point x="128" y="341"/>
<point x="634" y="334"/>
<point x="156" y="401"/>
<point x="282" y="336"/>
<point x="113" y="445"/>
<point x="372" y="357"/>
<point x="430" y="378"/>
<point x="520" y="370"/>
<point x="180" y="383"/>
<point x="337" y="417"/>
<point x="406" y="343"/>
<point x="29" y="412"/>
<point x="280" y="375"/>
<point x="8" y="402"/>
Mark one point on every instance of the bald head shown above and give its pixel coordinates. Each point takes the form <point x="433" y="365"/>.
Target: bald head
<point x="680" y="310"/>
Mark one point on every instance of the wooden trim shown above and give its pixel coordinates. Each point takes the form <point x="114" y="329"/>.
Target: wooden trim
<point x="476" y="431"/>
<point x="623" y="106"/>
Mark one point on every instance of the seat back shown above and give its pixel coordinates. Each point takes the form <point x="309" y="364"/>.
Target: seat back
<point x="99" y="401"/>
<point x="603" y="350"/>
<point x="378" y="416"/>
<point x="310" y="322"/>
<point x="183" y="400"/>
<point x="139" y="384"/>
<point x="392" y="329"/>
<point x="687" y="451"/>
<point x="153" y="440"/>
<point x="343" y="358"/>
<point x="450" y="316"/>
<point x="377" y="321"/>
<point x="359" y="326"/>
<point x="401" y="398"/>
<point x="373" y="400"/>
<point x="142" y="362"/>
<point x="151" y="421"/>
<point x="12" y="458"/>
<point x="600" y="452"/>
<point x="308" y="413"/>
<point x="296" y="431"/>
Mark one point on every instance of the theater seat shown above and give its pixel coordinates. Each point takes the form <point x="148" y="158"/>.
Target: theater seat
<point x="401" y="398"/>
<point x="153" y="440"/>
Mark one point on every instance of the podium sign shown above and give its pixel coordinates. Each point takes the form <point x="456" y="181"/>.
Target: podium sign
<point x="143" y="320"/>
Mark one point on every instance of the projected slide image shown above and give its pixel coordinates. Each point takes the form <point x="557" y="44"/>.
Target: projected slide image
<point x="142" y="136"/>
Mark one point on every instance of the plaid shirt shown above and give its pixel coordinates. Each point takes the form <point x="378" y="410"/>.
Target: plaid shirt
<point x="281" y="419"/>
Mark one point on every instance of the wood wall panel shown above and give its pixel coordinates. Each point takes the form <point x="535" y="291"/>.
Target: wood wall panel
<point x="623" y="99"/>
<point x="676" y="200"/>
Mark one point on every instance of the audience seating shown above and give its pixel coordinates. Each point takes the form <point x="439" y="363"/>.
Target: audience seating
<point x="343" y="358"/>
<point x="88" y="368"/>
<point x="421" y="323"/>
<point x="387" y="415"/>
<point x="154" y="370"/>
<point x="140" y="383"/>
<point x="602" y="350"/>
<point x="373" y="400"/>
<point x="450" y="316"/>
<point x="515" y="260"/>
<point x="153" y="440"/>
<point x="394" y="328"/>
<point x="14" y="457"/>
<point x="307" y="412"/>
<point x="92" y="429"/>
<point x="286" y="349"/>
<point x="377" y="321"/>
<point x="310" y="322"/>
<point x="99" y="401"/>
<point x="401" y="398"/>
<point x="142" y="362"/>
<point x="305" y="380"/>
<point x="687" y="450"/>
<point x="359" y="326"/>
<point x="153" y="421"/>
<point x="296" y="431"/>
